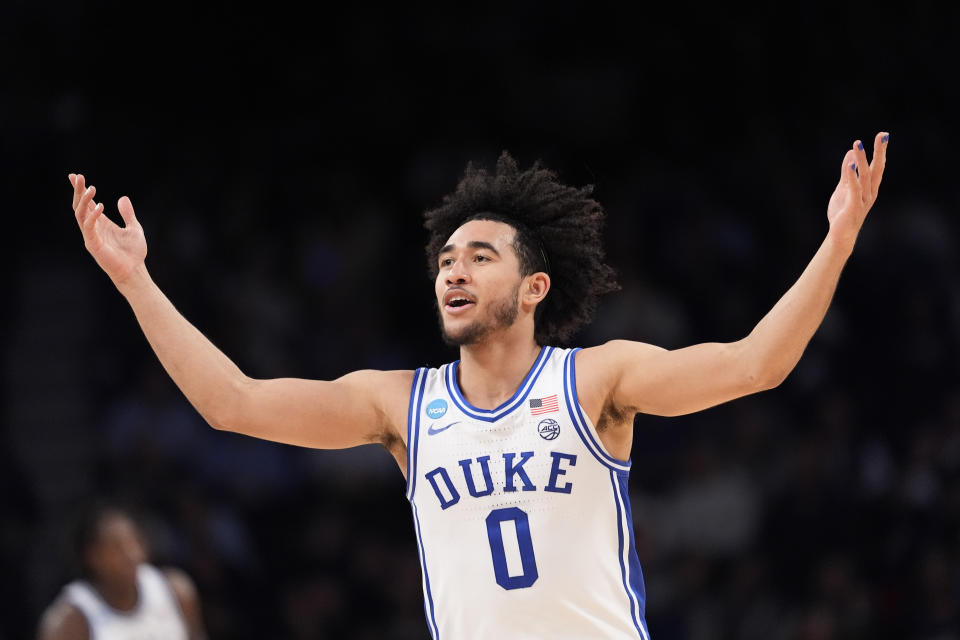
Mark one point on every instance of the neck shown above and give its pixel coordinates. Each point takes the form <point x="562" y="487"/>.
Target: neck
<point x="490" y="372"/>
<point x="122" y="596"/>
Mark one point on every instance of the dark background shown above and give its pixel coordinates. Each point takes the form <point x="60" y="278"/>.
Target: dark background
<point x="280" y="160"/>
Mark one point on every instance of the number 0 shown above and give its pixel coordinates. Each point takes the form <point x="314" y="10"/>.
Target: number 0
<point x="524" y="543"/>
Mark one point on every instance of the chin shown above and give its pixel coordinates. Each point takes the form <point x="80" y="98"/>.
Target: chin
<point x="462" y="336"/>
<point x="458" y="339"/>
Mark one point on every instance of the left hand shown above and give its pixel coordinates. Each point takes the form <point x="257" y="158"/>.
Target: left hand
<point x="857" y="190"/>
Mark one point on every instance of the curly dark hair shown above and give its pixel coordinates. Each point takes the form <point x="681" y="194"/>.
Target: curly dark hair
<point x="557" y="231"/>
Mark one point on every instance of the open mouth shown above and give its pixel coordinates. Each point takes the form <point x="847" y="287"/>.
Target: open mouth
<point x="458" y="304"/>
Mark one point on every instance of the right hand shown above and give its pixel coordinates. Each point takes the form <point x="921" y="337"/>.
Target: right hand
<point x="120" y="252"/>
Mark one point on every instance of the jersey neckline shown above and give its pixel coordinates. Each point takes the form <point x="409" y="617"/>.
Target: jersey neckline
<point x="452" y="383"/>
<point x="129" y="613"/>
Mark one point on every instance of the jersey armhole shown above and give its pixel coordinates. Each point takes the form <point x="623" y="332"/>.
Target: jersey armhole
<point x="165" y="579"/>
<point x="581" y="422"/>
<point x="413" y="428"/>
<point x="83" y="616"/>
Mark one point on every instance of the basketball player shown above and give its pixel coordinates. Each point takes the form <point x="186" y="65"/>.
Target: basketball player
<point x="516" y="455"/>
<point x="120" y="596"/>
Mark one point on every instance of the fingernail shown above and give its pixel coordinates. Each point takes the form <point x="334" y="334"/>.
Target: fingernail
<point x="885" y="137"/>
<point x="860" y="146"/>
<point x="854" y="166"/>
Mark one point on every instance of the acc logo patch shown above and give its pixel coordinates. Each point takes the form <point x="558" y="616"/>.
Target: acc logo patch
<point x="548" y="429"/>
<point x="437" y="408"/>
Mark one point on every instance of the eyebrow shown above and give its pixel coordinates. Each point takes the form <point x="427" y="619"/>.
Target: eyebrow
<point x="473" y="244"/>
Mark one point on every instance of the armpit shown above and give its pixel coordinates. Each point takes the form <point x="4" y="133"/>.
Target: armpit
<point x="613" y="416"/>
<point x="397" y="448"/>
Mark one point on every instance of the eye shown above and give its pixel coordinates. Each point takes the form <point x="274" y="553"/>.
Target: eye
<point x="481" y="258"/>
<point x="446" y="262"/>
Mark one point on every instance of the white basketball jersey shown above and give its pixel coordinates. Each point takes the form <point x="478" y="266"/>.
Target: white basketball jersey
<point x="522" y="518"/>
<point x="157" y="615"/>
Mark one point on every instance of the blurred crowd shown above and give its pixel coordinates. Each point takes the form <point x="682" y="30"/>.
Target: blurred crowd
<point x="285" y="224"/>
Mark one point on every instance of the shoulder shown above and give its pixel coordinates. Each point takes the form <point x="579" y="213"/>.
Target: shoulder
<point x="187" y="597"/>
<point x="601" y="369"/>
<point x="388" y="390"/>
<point x="182" y="586"/>
<point x="607" y="360"/>
<point x="385" y="384"/>
<point x="63" y="621"/>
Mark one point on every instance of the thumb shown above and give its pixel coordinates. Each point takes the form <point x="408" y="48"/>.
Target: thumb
<point x="126" y="211"/>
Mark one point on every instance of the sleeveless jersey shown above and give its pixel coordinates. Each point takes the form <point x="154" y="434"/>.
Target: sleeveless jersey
<point x="522" y="518"/>
<point x="157" y="615"/>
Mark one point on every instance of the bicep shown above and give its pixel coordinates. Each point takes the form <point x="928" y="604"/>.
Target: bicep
<point x="358" y="408"/>
<point x="649" y="379"/>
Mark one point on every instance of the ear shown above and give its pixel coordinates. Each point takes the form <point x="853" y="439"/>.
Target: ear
<point x="535" y="288"/>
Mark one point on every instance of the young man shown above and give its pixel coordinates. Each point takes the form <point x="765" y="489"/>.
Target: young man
<point x="516" y="455"/>
<point x="119" y="595"/>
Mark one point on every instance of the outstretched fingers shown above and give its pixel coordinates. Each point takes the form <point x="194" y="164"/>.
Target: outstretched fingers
<point x="91" y="220"/>
<point x="863" y="172"/>
<point x="85" y="205"/>
<point x="879" y="160"/>
<point x="78" y="188"/>
<point x="848" y="174"/>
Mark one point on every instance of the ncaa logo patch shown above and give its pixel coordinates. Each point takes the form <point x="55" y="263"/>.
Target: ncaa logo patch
<point x="437" y="408"/>
<point x="548" y="429"/>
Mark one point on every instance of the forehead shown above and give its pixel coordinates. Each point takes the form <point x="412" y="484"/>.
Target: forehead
<point x="115" y="526"/>
<point x="498" y="234"/>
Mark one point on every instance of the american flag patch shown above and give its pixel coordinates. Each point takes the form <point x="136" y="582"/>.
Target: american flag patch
<point x="539" y="406"/>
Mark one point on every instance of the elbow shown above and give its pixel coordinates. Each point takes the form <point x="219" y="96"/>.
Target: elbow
<point x="759" y="374"/>
<point x="217" y="423"/>
<point x="772" y="380"/>
<point x="227" y="411"/>
<point x="761" y="369"/>
<point x="217" y="420"/>
<point x="765" y="377"/>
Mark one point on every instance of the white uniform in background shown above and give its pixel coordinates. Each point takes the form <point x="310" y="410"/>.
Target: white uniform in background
<point x="156" y="616"/>
<point x="522" y="518"/>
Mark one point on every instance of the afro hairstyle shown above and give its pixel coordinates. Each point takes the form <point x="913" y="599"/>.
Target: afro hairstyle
<point x="558" y="231"/>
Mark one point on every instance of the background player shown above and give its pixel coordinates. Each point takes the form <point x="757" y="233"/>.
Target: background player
<point x="498" y="326"/>
<point x="120" y="596"/>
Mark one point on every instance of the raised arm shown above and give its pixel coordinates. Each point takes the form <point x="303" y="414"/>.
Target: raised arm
<point x="648" y="379"/>
<point x="359" y="408"/>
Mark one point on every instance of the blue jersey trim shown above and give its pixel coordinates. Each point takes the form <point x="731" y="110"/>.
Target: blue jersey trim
<point x="623" y="567"/>
<point x="413" y="445"/>
<point x="492" y="415"/>
<point x="428" y="608"/>
<point x="580" y="423"/>
<point x="635" y="572"/>
<point x="413" y="428"/>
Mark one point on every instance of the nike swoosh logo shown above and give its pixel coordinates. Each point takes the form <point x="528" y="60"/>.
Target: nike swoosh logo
<point x="432" y="432"/>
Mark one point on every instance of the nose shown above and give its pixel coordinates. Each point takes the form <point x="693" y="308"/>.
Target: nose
<point x="458" y="274"/>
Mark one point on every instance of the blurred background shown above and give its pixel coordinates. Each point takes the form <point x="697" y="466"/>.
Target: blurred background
<point x="280" y="160"/>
